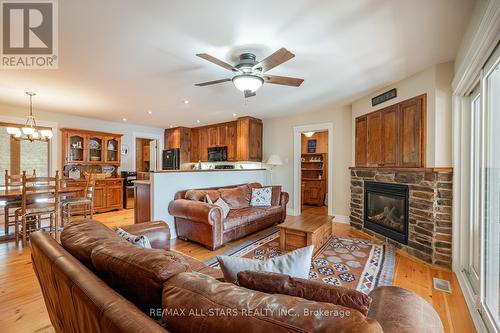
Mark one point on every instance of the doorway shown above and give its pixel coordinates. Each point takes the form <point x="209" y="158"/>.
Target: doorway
<point x="143" y="155"/>
<point x="314" y="172"/>
<point x="313" y="169"/>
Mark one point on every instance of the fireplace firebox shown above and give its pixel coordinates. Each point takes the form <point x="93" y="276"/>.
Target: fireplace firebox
<point x="386" y="210"/>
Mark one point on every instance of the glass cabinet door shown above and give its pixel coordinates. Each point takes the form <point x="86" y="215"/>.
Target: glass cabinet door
<point x="95" y="148"/>
<point x="112" y="150"/>
<point x="76" y="148"/>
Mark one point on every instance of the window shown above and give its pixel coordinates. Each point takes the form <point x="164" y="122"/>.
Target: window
<point x="491" y="194"/>
<point x="484" y="242"/>
<point x="17" y="156"/>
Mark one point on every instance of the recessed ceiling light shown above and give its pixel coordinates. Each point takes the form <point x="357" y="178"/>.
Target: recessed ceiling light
<point x="197" y="121"/>
<point x="186" y="101"/>
<point x="150" y="112"/>
<point x="171" y="126"/>
<point x="234" y="114"/>
<point x="124" y="119"/>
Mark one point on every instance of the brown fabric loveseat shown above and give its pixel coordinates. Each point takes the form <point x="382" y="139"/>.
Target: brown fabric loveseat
<point x="198" y="221"/>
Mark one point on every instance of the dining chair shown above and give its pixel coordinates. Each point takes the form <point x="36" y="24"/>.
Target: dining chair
<point x="40" y="199"/>
<point x="84" y="204"/>
<point x="12" y="183"/>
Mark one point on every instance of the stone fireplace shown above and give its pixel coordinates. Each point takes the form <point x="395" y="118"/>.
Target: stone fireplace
<point x="408" y="208"/>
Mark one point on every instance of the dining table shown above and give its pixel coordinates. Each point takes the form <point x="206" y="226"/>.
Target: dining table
<point x="13" y="195"/>
<point x="16" y="195"/>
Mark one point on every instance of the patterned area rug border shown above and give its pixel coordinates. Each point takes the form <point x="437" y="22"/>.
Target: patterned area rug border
<point x="378" y="269"/>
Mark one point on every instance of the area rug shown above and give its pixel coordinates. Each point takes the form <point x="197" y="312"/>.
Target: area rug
<point x="349" y="262"/>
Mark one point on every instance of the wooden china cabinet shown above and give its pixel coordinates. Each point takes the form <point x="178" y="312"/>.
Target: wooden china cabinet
<point x="85" y="152"/>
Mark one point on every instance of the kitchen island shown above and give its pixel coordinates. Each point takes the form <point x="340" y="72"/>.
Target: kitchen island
<point x="165" y="183"/>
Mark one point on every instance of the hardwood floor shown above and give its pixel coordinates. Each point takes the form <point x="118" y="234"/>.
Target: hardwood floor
<point x="22" y="308"/>
<point x="315" y="210"/>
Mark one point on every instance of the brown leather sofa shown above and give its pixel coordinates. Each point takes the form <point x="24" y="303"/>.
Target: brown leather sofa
<point x="198" y="221"/>
<point x="78" y="299"/>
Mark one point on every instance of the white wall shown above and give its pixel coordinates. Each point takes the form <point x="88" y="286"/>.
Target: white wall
<point x="436" y="83"/>
<point x="278" y="139"/>
<point x="61" y="120"/>
<point x="165" y="184"/>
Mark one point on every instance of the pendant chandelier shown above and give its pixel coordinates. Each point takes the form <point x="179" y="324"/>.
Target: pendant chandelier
<point x="30" y="131"/>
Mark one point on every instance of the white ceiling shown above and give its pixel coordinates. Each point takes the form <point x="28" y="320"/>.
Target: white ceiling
<point x="121" y="58"/>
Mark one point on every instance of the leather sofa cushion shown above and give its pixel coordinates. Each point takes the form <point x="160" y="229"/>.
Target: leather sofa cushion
<point x="236" y="197"/>
<point x="237" y="309"/>
<point x="80" y="237"/>
<point x="242" y="216"/>
<point x="137" y="274"/>
<point x="199" y="266"/>
<point x="275" y="283"/>
<point x="199" y="195"/>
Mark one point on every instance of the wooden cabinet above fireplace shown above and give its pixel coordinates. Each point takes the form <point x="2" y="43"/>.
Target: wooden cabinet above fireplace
<point x="393" y="137"/>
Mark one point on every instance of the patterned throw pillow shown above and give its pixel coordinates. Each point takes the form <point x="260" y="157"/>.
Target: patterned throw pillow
<point x="139" y="241"/>
<point x="222" y="204"/>
<point x="261" y="197"/>
<point x="208" y="200"/>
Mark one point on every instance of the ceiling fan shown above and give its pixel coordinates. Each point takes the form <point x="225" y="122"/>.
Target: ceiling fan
<point x="250" y="74"/>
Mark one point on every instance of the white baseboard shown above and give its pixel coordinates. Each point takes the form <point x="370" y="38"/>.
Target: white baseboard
<point x="341" y="219"/>
<point x="469" y="300"/>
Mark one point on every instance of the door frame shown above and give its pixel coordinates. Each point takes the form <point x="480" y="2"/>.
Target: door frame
<point x="159" y="148"/>
<point x="297" y="153"/>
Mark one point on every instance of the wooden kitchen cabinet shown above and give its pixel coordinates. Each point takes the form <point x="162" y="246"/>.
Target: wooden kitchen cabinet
<point x="195" y="146"/>
<point x="243" y="139"/>
<point x="179" y="138"/>
<point x="231" y="134"/>
<point x="393" y="137"/>
<point x="249" y="139"/>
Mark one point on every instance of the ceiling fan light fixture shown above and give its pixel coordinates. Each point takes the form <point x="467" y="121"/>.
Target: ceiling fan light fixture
<point x="248" y="82"/>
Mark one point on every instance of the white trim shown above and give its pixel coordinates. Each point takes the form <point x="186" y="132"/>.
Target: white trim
<point x="54" y="142"/>
<point x="484" y="41"/>
<point x="142" y="135"/>
<point x="297" y="152"/>
<point x="341" y="219"/>
<point x="469" y="300"/>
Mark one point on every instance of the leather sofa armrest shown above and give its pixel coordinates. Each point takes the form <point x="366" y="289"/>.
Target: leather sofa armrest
<point x="195" y="211"/>
<point x="401" y="311"/>
<point x="284" y="199"/>
<point x="157" y="232"/>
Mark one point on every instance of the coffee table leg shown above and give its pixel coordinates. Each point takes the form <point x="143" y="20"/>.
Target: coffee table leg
<point x="282" y="238"/>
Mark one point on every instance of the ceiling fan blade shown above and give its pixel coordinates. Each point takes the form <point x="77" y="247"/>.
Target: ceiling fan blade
<point x="211" y="82"/>
<point x="284" y="80"/>
<point x="218" y="62"/>
<point x="275" y="59"/>
<point x="249" y="93"/>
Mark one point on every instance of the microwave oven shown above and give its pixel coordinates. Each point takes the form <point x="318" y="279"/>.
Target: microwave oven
<point x="217" y="154"/>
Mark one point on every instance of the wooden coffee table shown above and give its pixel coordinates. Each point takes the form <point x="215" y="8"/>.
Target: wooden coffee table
<point x="295" y="234"/>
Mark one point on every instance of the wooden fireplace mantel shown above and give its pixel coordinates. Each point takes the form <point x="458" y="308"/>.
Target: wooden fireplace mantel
<point x="393" y="169"/>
